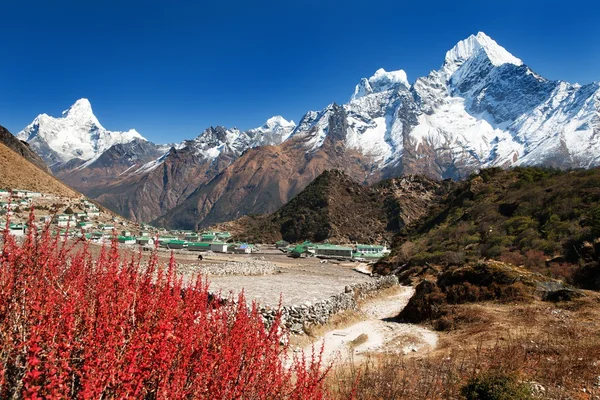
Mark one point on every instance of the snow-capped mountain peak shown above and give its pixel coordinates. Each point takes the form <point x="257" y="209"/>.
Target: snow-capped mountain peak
<point x="279" y="121"/>
<point x="76" y="134"/>
<point x="381" y="81"/>
<point x="472" y="46"/>
<point x="275" y="131"/>
<point x="81" y="110"/>
<point x="214" y="141"/>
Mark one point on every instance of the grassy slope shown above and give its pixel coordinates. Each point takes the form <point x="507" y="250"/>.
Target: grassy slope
<point x="547" y="221"/>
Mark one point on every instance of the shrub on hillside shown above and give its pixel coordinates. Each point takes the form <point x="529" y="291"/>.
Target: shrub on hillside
<point x="495" y="386"/>
<point x="75" y="326"/>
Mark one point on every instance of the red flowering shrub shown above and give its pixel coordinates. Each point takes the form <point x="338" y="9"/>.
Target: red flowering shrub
<point x="72" y="326"/>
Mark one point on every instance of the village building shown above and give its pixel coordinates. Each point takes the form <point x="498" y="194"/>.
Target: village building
<point x="145" y="241"/>
<point x="372" y="252"/>
<point x="331" y="250"/>
<point x="371" y="249"/>
<point x="85" y="225"/>
<point x="198" y="246"/>
<point x="16" y="229"/>
<point x="100" y="235"/>
<point x="223" y="236"/>
<point x="63" y="220"/>
<point x="207" y="237"/>
<point x="306" y="249"/>
<point x="126" y="239"/>
<point x="219" y="247"/>
<point x="166" y="238"/>
<point x="174" y="244"/>
<point x="241" y="248"/>
<point x="192" y="237"/>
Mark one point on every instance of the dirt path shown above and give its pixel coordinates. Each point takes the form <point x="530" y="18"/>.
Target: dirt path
<point x="382" y="335"/>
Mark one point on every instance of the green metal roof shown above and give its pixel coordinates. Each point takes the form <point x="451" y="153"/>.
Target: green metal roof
<point x="332" y="247"/>
<point x="298" y="249"/>
<point x="175" y="241"/>
<point x="368" y="246"/>
<point x="199" y="244"/>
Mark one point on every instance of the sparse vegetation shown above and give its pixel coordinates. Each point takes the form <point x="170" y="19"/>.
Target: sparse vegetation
<point x="360" y="339"/>
<point x="495" y="386"/>
<point x="545" y="220"/>
<point x="530" y="350"/>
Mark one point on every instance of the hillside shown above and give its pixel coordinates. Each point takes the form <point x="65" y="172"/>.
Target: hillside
<point x="21" y="148"/>
<point x="547" y="221"/>
<point x="336" y="208"/>
<point x="19" y="172"/>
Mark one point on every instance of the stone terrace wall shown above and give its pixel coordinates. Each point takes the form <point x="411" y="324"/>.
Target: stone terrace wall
<point x="296" y="317"/>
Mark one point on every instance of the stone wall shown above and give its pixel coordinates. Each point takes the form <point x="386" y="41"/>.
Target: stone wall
<point x="297" y="316"/>
<point x="248" y="267"/>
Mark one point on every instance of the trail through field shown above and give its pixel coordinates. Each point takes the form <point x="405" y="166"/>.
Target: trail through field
<point x="379" y="333"/>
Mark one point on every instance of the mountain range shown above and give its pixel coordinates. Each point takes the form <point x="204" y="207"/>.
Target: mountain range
<point x="483" y="107"/>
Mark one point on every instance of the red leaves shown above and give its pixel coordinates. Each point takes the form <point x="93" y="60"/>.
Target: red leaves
<point x="75" y="327"/>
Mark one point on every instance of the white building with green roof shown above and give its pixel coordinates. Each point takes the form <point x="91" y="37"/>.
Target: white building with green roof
<point x="332" y="250"/>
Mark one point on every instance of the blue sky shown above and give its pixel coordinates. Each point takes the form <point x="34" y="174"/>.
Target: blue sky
<point x="172" y="68"/>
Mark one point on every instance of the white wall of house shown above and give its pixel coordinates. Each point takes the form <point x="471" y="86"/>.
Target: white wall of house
<point x="218" y="247"/>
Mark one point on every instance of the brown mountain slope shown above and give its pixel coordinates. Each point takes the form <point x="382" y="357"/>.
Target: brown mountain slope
<point x="110" y="166"/>
<point x="144" y="197"/>
<point x="265" y="178"/>
<point x="21" y="148"/>
<point x="338" y="209"/>
<point x="16" y="172"/>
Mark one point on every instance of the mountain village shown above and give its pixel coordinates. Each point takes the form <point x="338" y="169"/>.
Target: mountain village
<point x="83" y="220"/>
